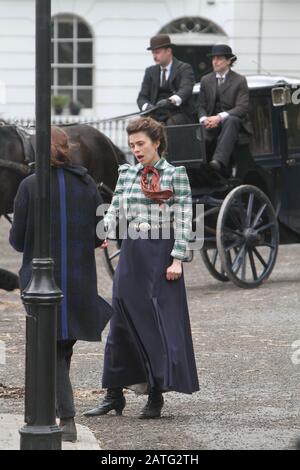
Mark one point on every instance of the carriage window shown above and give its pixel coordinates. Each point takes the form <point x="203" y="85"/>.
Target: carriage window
<point x="294" y="126"/>
<point x="72" y="60"/>
<point x="261" y="118"/>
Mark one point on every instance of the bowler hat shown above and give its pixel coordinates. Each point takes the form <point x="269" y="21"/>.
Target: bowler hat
<point x="158" y="41"/>
<point x="222" y="50"/>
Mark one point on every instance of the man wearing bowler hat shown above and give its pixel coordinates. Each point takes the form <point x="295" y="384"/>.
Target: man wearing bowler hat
<point x="223" y="106"/>
<point x="168" y="84"/>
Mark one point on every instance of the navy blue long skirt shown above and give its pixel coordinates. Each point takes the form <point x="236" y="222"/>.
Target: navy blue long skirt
<point x="149" y="342"/>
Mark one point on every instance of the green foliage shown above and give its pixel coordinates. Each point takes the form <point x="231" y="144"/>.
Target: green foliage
<point x="59" y="101"/>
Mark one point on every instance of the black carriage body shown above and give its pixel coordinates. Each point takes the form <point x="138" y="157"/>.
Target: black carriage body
<point x="269" y="159"/>
<point x="275" y="147"/>
<point x="266" y="164"/>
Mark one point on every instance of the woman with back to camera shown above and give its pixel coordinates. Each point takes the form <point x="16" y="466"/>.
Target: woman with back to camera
<point x="149" y="345"/>
<point x="82" y="314"/>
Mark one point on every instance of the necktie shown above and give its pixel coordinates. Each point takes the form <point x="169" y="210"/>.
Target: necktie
<point x="221" y="80"/>
<point x="164" y="77"/>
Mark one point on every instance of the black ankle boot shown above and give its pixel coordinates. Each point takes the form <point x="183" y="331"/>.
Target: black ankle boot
<point x="113" y="400"/>
<point x="154" y="405"/>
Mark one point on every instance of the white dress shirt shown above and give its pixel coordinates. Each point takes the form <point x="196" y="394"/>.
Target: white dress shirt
<point x="223" y="115"/>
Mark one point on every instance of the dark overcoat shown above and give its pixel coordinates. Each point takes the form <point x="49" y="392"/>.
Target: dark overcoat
<point x="234" y="97"/>
<point x="181" y="82"/>
<point x="74" y="200"/>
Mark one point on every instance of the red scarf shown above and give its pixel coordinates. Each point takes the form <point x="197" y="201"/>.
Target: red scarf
<point x="154" y="192"/>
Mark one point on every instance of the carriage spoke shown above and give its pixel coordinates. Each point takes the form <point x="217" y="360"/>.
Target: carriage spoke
<point x="258" y="255"/>
<point x="249" y="209"/>
<point x="235" y="219"/>
<point x="211" y="258"/>
<point x="235" y="244"/>
<point x="258" y="215"/>
<point x="252" y="264"/>
<point x="230" y="261"/>
<point x="242" y="211"/>
<point x="244" y="263"/>
<point x="265" y="227"/>
<point x="238" y="260"/>
<point x="232" y="231"/>
<point x="214" y="257"/>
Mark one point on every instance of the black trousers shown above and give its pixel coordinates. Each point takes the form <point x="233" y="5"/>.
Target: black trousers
<point x="169" y="118"/>
<point x="226" y="136"/>
<point x="178" y="119"/>
<point x="64" y="392"/>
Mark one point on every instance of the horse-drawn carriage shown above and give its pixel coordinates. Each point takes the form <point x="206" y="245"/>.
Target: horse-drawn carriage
<point x="246" y="214"/>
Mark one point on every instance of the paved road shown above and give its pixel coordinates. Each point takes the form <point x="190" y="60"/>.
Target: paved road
<point x="247" y="365"/>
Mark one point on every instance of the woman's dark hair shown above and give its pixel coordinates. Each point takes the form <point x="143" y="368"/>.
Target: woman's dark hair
<point x="153" y="129"/>
<point x="60" y="147"/>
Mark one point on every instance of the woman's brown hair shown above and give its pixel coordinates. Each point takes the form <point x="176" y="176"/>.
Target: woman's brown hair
<point x="153" y="129"/>
<point x="60" y="147"/>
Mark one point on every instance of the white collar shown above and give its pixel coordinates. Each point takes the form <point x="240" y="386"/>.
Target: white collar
<point x="168" y="67"/>
<point x="218" y="75"/>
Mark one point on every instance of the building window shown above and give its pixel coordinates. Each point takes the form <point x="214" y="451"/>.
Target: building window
<point x="192" y="24"/>
<point x="72" y="60"/>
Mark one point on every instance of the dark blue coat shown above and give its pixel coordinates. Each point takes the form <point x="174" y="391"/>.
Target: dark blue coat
<point x="74" y="199"/>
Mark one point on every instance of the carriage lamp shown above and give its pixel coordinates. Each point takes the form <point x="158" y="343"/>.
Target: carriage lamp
<point x="281" y="96"/>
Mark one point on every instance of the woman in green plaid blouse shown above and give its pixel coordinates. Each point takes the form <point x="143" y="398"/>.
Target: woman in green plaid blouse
<point x="149" y="346"/>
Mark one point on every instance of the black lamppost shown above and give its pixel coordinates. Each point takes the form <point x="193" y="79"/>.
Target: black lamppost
<point x="41" y="297"/>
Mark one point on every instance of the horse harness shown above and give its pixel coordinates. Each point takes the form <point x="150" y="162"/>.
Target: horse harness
<point x="27" y="167"/>
<point x="24" y="137"/>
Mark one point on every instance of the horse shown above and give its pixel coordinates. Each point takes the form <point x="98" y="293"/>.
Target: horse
<point x="91" y="149"/>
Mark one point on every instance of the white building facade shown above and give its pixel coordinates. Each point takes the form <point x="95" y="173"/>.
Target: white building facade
<point x="99" y="46"/>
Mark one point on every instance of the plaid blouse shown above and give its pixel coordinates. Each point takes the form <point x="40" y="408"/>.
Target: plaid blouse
<point x="129" y="199"/>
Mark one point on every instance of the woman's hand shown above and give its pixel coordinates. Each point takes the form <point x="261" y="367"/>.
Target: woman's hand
<point x="174" y="271"/>
<point x="104" y="244"/>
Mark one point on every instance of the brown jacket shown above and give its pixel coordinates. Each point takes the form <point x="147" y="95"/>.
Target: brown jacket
<point x="234" y="97"/>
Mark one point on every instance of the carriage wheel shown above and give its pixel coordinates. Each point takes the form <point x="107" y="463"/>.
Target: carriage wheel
<point x="111" y="255"/>
<point x="212" y="261"/>
<point x="247" y="236"/>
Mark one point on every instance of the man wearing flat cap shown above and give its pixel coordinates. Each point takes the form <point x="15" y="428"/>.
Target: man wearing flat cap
<point x="168" y="85"/>
<point x="223" y="106"/>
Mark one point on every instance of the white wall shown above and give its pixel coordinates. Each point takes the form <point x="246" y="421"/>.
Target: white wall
<point x="122" y="29"/>
<point x="17" y="60"/>
<point x="276" y="44"/>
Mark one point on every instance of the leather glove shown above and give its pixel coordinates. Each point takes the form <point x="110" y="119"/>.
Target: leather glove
<point x="149" y="107"/>
<point x="163" y="103"/>
<point x="166" y="103"/>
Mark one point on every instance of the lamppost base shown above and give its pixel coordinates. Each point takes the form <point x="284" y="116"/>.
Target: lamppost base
<point x="40" y="438"/>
